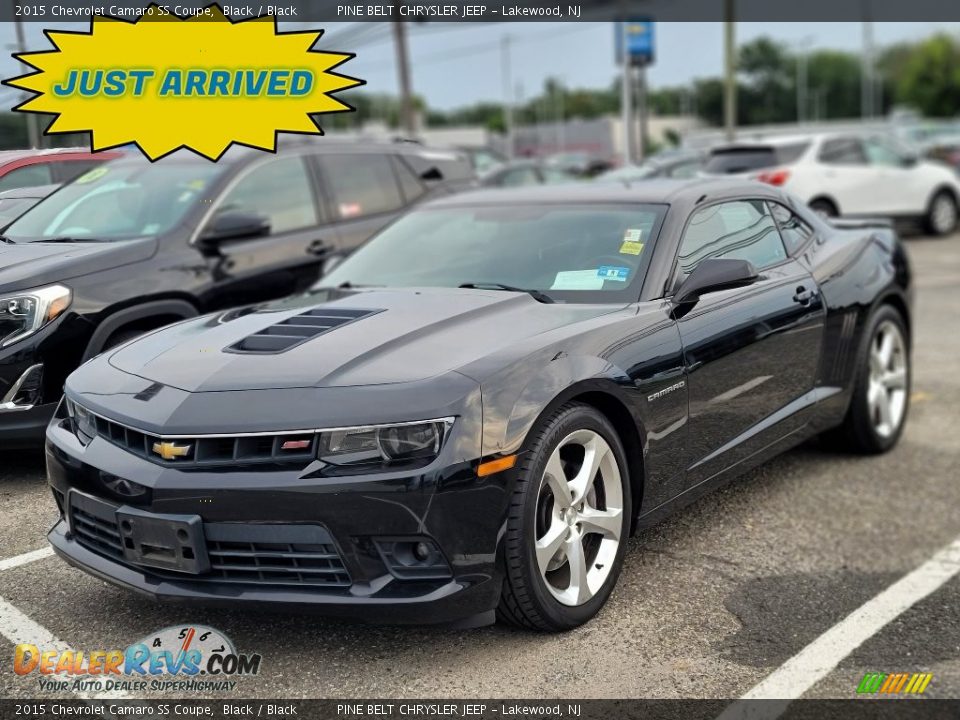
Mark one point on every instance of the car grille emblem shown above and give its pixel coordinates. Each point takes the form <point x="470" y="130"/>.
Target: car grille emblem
<point x="171" y="451"/>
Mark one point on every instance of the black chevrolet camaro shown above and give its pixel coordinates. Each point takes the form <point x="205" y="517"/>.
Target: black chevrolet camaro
<point x="472" y="413"/>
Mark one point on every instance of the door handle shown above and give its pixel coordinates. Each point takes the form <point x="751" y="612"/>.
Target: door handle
<point x="318" y="247"/>
<point x="803" y="296"/>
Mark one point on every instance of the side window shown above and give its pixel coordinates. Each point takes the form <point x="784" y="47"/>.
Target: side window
<point x="412" y="188"/>
<point x="741" y="230"/>
<point x="842" y="151"/>
<point x="361" y="184"/>
<point x="280" y="190"/>
<point x="881" y="153"/>
<point x="520" y="177"/>
<point x="27" y="176"/>
<point x="794" y="231"/>
<point x="64" y="172"/>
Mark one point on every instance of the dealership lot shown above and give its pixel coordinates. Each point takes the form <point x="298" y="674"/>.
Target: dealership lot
<point x="709" y="604"/>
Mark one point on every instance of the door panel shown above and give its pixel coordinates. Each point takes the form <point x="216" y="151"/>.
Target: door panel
<point x="288" y="259"/>
<point x="843" y="173"/>
<point x="751" y="353"/>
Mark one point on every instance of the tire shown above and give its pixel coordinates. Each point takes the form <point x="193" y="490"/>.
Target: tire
<point x="941" y="216"/>
<point x="824" y="208"/>
<point x="120" y="337"/>
<point x="864" y="429"/>
<point x="533" y="594"/>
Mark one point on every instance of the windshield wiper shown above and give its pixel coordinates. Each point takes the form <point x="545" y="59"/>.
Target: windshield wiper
<point x="535" y="294"/>
<point x="7" y="240"/>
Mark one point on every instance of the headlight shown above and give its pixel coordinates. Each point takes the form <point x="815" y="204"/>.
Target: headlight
<point x="84" y="421"/>
<point x="402" y="442"/>
<point x="25" y="313"/>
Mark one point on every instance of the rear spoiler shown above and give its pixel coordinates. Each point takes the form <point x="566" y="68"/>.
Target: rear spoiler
<point x="860" y="223"/>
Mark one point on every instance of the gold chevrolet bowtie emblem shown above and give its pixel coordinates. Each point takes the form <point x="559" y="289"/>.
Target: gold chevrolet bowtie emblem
<point x="171" y="451"/>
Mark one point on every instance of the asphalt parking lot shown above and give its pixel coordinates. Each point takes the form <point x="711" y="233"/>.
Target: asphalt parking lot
<point x="710" y="603"/>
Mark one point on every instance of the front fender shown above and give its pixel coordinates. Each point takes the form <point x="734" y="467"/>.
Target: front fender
<point x="511" y="412"/>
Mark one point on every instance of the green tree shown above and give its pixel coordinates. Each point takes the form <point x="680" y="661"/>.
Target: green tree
<point x="929" y="80"/>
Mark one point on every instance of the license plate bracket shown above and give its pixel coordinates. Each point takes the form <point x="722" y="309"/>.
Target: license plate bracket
<point x="167" y="542"/>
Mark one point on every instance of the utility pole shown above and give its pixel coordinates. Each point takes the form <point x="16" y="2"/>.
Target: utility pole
<point x="729" y="71"/>
<point x="866" y="75"/>
<point x="507" y="101"/>
<point x="33" y="127"/>
<point x="407" y="122"/>
<point x="642" y="111"/>
<point x="626" y="97"/>
<point x="803" y="102"/>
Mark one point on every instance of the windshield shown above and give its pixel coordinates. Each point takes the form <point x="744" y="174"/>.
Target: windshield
<point x="572" y="253"/>
<point x="11" y="208"/>
<point x="118" y="200"/>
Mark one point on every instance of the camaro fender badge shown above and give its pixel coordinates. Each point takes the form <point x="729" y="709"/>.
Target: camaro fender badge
<point x="660" y="393"/>
<point x="171" y="451"/>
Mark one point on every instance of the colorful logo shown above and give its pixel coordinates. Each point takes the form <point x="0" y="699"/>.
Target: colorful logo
<point x="894" y="683"/>
<point x="190" y="657"/>
<point x="166" y="83"/>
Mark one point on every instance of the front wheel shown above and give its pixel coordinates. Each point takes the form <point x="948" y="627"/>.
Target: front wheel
<point x="568" y="524"/>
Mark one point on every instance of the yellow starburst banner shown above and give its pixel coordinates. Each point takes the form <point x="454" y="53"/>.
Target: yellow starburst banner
<point x="167" y="83"/>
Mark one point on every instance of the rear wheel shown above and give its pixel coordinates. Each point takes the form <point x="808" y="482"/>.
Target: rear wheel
<point x="881" y="395"/>
<point x="824" y="208"/>
<point x="941" y="217"/>
<point x="568" y="524"/>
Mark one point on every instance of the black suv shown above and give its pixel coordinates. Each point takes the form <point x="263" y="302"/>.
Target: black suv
<point x="131" y="246"/>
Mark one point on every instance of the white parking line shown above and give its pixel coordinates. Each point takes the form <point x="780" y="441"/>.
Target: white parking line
<point x="27" y="557"/>
<point x="19" y="629"/>
<point x="819" y="658"/>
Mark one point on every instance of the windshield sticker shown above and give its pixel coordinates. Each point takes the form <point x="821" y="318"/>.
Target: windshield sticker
<point x="91" y="175"/>
<point x="631" y="248"/>
<point x="614" y="273"/>
<point x="633" y="235"/>
<point x="577" y="280"/>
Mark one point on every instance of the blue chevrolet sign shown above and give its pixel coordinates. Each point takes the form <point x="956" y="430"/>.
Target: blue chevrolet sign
<point x="639" y="37"/>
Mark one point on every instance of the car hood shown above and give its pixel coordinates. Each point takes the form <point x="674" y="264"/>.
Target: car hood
<point x="405" y="335"/>
<point x="28" y="265"/>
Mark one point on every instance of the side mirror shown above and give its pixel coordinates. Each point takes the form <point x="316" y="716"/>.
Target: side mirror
<point x="234" y="225"/>
<point x="908" y="161"/>
<point x="715" y="274"/>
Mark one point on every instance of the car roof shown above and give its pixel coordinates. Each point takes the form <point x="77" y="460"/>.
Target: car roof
<point x="8" y="156"/>
<point x="657" y="191"/>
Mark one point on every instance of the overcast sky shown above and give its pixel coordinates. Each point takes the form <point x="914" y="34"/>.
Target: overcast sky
<point x="457" y="64"/>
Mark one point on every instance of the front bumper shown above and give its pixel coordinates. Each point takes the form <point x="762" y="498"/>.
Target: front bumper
<point x="444" y="503"/>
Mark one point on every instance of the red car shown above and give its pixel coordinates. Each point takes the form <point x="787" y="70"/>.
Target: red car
<point x="27" y="168"/>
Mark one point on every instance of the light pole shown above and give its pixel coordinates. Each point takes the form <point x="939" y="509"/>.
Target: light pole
<point x="403" y="75"/>
<point x="729" y="71"/>
<point x="33" y="129"/>
<point x="507" y="104"/>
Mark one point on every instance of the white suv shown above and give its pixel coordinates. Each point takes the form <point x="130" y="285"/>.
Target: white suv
<point x="848" y="174"/>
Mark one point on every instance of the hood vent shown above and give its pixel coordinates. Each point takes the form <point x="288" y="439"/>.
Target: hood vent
<point x="297" y="330"/>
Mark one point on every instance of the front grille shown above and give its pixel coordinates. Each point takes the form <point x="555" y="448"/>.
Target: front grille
<point x="275" y="555"/>
<point x="96" y="528"/>
<point x="297" y="330"/>
<point x="242" y="553"/>
<point x="228" y="450"/>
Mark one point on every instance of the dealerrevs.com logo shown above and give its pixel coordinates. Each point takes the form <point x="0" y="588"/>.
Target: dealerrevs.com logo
<point x="181" y="658"/>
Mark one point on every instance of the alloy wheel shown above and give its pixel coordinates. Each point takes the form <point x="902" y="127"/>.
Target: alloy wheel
<point x="579" y="519"/>
<point x="943" y="214"/>
<point x="887" y="389"/>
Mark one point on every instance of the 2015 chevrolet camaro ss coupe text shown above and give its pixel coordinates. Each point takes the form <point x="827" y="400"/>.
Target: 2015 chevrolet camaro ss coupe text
<point x="472" y="413"/>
